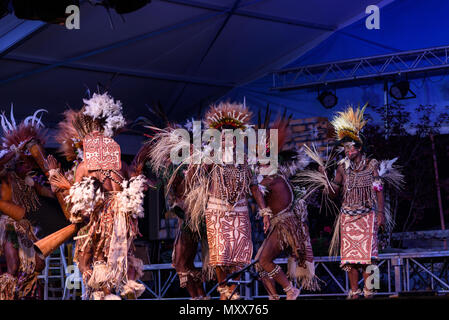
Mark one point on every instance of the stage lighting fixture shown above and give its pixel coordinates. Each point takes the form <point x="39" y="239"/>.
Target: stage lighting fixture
<point x="327" y="99"/>
<point x="126" y="6"/>
<point x="47" y="11"/>
<point x="400" y="89"/>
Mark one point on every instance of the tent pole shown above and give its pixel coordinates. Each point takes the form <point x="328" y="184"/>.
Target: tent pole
<point x="437" y="183"/>
<point x="386" y="108"/>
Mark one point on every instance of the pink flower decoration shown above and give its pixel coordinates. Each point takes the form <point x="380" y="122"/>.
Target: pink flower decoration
<point x="377" y="186"/>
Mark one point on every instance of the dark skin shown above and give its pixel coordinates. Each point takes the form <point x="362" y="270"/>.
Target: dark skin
<point x="185" y="247"/>
<point x="23" y="166"/>
<point x="355" y="154"/>
<point x="278" y="198"/>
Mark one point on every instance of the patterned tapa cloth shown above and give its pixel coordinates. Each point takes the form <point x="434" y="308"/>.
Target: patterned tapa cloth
<point x="101" y="152"/>
<point x="228" y="233"/>
<point x="358" y="238"/>
<point x="21" y="235"/>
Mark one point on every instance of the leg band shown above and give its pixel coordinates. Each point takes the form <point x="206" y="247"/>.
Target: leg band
<point x="287" y="289"/>
<point x="274" y="272"/>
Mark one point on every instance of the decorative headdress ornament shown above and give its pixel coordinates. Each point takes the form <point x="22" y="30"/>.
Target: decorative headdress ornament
<point x="14" y="143"/>
<point x="100" y="113"/>
<point x="349" y="123"/>
<point x="70" y="142"/>
<point x="228" y="115"/>
<point x="96" y="124"/>
<point x="101" y="153"/>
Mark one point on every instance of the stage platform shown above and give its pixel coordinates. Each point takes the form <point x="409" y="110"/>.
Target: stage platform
<point x="402" y="273"/>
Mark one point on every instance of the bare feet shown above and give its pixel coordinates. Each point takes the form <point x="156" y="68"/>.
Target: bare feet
<point x="293" y="293"/>
<point x="354" y="294"/>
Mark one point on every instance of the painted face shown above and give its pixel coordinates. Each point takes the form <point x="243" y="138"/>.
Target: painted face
<point x="24" y="165"/>
<point x="351" y="151"/>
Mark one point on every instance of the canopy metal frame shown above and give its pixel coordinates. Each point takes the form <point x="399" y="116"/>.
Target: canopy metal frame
<point x="364" y="68"/>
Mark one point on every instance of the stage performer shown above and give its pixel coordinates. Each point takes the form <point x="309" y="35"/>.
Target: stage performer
<point x="284" y="213"/>
<point x="105" y="199"/>
<point x="360" y="180"/>
<point x="185" y="246"/>
<point x="19" y="197"/>
<point x="217" y="192"/>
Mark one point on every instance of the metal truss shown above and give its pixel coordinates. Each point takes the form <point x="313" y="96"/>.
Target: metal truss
<point x="407" y="62"/>
<point x="399" y="273"/>
<point x="413" y="235"/>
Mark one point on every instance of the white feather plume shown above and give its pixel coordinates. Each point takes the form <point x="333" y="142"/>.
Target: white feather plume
<point x="130" y="199"/>
<point x="33" y="120"/>
<point x="83" y="197"/>
<point x="103" y="106"/>
<point x="389" y="172"/>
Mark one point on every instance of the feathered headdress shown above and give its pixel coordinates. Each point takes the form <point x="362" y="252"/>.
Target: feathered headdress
<point x="227" y="115"/>
<point x="100" y="113"/>
<point x="15" y="137"/>
<point x="70" y="142"/>
<point x="349" y="123"/>
<point x="290" y="159"/>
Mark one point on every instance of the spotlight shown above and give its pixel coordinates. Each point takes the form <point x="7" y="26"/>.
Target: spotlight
<point x="47" y="11"/>
<point x="400" y="89"/>
<point x="327" y="99"/>
<point x="122" y="6"/>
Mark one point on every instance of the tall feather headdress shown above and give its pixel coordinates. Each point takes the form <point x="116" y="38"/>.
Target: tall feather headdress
<point x="16" y="136"/>
<point x="349" y="123"/>
<point x="228" y="115"/>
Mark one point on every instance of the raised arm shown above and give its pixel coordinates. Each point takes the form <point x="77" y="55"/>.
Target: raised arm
<point x="7" y="206"/>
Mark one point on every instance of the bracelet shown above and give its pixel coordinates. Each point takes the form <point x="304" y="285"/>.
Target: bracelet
<point x="265" y="212"/>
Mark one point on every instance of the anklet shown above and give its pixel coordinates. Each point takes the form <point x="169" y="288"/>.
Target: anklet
<point x="288" y="288"/>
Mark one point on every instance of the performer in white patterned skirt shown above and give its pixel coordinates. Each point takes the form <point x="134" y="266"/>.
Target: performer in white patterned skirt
<point x="359" y="179"/>
<point x="227" y="219"/>
<point x="215" y="191"/>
